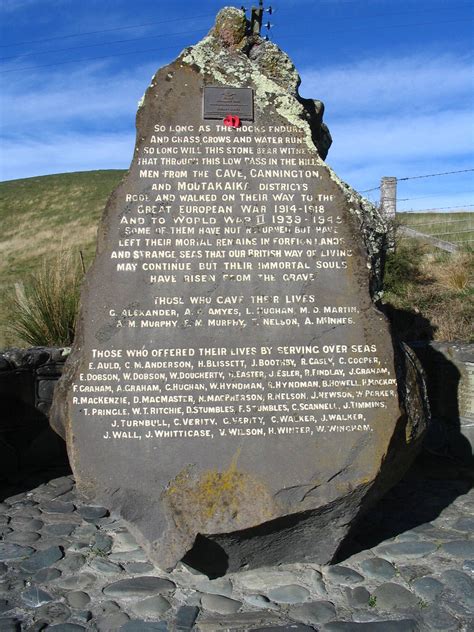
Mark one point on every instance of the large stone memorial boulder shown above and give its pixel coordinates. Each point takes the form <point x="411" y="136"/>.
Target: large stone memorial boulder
<point x="233" y="383"/>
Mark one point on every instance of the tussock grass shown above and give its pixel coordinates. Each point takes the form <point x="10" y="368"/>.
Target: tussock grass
<point x="455" y="272"/>
<point x="43" y="310"/>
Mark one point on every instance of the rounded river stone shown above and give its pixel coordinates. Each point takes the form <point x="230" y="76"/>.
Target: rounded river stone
<point x="392" y="596"/>
<point x="78" y="599"/>
<point x="10" y="551"/>
<point x="90" y="513"/>
<point x="344" y="575"/>
<point x="152" y="607"/>
<point x="220" y="604"/>
<point x="427" y="588"/>
<point x="289" y="594"/>
<point x="315" y="612"/>
<point x="139" y="587"/>
<point x="42" y="559"/>
<point x="378" y="568"/>
<point x="35" y="597"/>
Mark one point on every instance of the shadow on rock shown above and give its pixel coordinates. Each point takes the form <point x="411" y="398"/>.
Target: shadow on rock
<point x="443" y="470"/>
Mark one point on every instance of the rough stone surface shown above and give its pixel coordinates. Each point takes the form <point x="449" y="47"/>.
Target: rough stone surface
<point x="236" y="496"/>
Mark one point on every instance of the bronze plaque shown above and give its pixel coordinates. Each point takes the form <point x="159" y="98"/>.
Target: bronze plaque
<point x="219" y="102"/>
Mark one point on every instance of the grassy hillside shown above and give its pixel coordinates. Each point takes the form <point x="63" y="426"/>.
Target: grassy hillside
<point x="40" y="215"/>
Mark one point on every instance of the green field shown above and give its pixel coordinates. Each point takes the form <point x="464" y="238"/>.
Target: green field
<point x="457" y="228"/>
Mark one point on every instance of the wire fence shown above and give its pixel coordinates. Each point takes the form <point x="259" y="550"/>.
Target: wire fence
<point x="456" y="228"/>
<point x="458" y="231"/>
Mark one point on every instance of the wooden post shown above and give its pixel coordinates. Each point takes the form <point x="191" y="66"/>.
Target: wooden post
<point x="257" y="19"/>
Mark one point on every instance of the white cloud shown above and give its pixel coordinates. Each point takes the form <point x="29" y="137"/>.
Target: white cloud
<point x="68" y="152"/>
<point x="410" y="137"/>
<point x="400" y="117"/>
<point x="397" y="117"/>
<point x="403" y="83"/>
<point x="10" y="6"/>
<point x="85" y="94"/>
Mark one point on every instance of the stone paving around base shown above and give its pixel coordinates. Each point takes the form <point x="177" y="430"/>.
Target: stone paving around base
<point x="66" y="566"/>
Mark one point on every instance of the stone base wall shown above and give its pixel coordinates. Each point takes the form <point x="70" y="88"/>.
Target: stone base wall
<point x="28" y="378"/>
<point x="449" y="369"/>
<point x="27" y="381"/>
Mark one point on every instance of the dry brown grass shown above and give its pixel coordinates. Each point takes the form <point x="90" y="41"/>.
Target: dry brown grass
<point x="430" y="295"/>
<point x="454" y="273"/>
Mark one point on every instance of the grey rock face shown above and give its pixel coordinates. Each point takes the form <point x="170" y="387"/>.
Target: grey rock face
<point x="319" y="377"/>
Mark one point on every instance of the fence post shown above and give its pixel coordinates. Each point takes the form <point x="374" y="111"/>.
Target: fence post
<point x="388" y="207"/>
<point x="388" y="197"/>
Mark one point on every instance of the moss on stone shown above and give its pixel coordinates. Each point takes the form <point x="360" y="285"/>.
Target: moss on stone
<point x="216" y="500"/>
<point x="230" y="27"/>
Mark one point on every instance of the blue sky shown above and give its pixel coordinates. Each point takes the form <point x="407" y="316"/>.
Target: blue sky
<point x="396" y="77"/>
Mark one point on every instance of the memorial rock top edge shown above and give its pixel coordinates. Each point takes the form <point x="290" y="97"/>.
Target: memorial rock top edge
<point x="232" y="377"/>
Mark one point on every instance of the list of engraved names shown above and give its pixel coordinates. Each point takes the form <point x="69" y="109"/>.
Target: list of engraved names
<point x="237" y="240"/>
